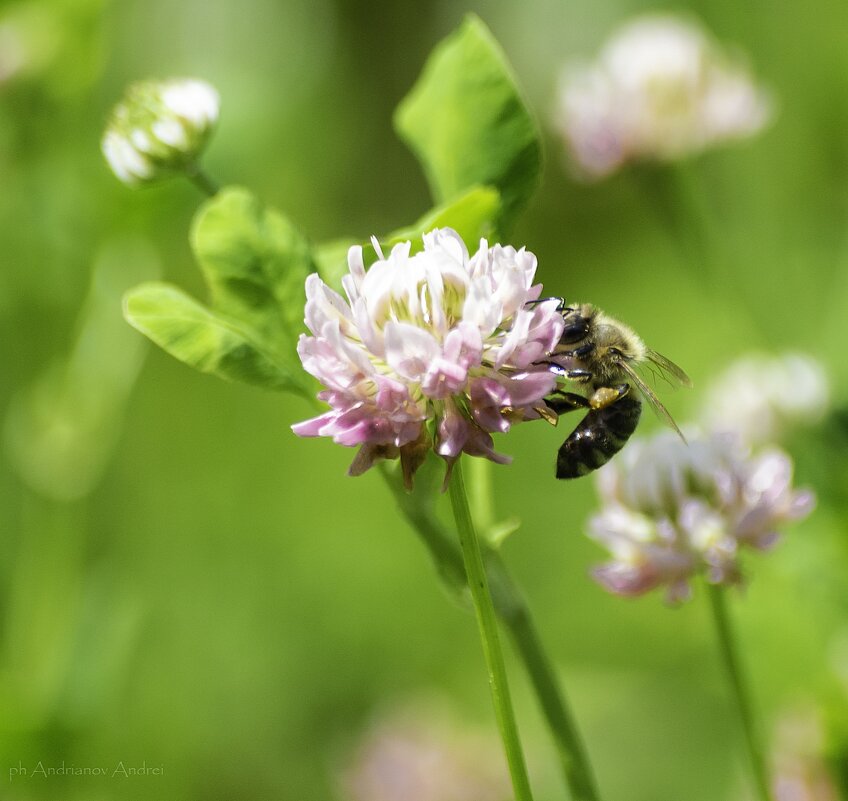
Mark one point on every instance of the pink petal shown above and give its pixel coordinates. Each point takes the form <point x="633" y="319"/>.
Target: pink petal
<point x="313" y="427"/>
<point x="453" y="432"/>
<point x="626" y="580"/>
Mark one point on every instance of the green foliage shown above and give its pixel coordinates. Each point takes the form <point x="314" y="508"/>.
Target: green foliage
<point x="467" y="123"/>
<point x="476" y="140"/>
<point x="471" y="215"/>
<point x="204" y="339"/>
<point x="255" y="264"/>
<point x="61" y="429"/>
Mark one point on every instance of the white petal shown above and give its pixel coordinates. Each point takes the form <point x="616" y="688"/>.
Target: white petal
<point x="170" y="133"/>
<point x="409" y="350"/>
<point x="194" y="100"/>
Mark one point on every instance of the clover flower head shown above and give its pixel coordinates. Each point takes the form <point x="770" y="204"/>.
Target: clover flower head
<point x="420" y="752"/>
<point x="659" y="90"/>
<point x="429" y="350"/>
<point x="761" y="396"/>
<point x="672" y="510"/>
<point x="159" y="127"/>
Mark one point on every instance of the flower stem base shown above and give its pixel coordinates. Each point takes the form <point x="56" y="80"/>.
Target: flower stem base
<point x="478" y="584"/>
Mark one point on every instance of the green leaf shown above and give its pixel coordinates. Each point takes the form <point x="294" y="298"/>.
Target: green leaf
<point x="206" y="340"/>
<point x="254" y="261"/>
<point x="331" y="260"/>
<point x="255" y="264"/>
<point x="472" y="216"/>
<point x="497" y="533"/>
<point x="466" y="122"/>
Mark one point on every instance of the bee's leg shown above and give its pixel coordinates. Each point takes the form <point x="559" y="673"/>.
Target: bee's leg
<point x="566" y="402"/>
<point x="606" y="396"/>
<point x="561" y="305"/>
<point x="574" y="373"/>
<point x="577" y="353"/>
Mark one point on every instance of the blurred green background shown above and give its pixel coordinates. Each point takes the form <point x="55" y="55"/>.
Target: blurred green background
<point x="186" y="584"/>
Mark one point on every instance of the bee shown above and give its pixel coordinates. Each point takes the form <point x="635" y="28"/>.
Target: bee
<point x="600" y="352"/>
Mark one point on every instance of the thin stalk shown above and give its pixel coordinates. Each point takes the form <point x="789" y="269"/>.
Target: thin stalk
<point x="512" y="609"/>
<point x="569" y="746"/>
<point x="202" y="181"/>
<point x="480" y="494"/>
<point x="742" y="698"/>
<point x="478" y="583"/>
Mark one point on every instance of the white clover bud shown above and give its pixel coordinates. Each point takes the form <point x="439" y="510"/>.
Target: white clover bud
<point x="159" y="127"/>
<point x="759" y="397"/>
<point x="672" y="511"/>
<point x="659" y="90"/>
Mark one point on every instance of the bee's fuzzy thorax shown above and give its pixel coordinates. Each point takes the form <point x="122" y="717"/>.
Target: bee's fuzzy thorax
<point x="616" y="334"/>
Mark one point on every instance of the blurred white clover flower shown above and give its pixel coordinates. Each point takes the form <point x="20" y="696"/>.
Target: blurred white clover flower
<point x="13" y="51"/>
<point x="159" y="127"/>
<point x="799" y="765"/>
<point x="672" y="511"/>
<point x="660" y="89"/>
<point x="418" y="752"/>
<point x="430" y="350"/>
<point x="760" y="396"/>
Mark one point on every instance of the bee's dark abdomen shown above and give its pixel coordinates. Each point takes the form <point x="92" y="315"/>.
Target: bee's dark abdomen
<point x="598" y="437"/>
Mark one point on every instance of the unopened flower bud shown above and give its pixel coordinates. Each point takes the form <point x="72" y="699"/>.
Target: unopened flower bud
<point x="159" y="127"/>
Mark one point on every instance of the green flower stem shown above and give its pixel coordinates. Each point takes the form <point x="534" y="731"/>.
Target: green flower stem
<point x="478" y="583"/>
<point x="730" y="657"/>
<point x="569" y="746"/>
<point x="201" y="180"/>
<point x="512" y="609"/>
<point x="480" y="494"/>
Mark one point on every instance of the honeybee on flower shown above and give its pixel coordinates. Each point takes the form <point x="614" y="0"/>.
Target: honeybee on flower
<point x="436" y="349"/>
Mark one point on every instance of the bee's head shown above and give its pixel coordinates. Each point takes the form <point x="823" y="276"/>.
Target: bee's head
<point x="579" y="319"/>
<point x="616" y="341"/>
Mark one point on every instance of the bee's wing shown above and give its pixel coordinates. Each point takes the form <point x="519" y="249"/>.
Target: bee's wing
<point x="669" y="368"/>
<point x="651" y="397"/>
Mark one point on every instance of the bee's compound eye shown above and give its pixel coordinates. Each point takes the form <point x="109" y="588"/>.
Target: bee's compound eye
<point x="575" y="329"/>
